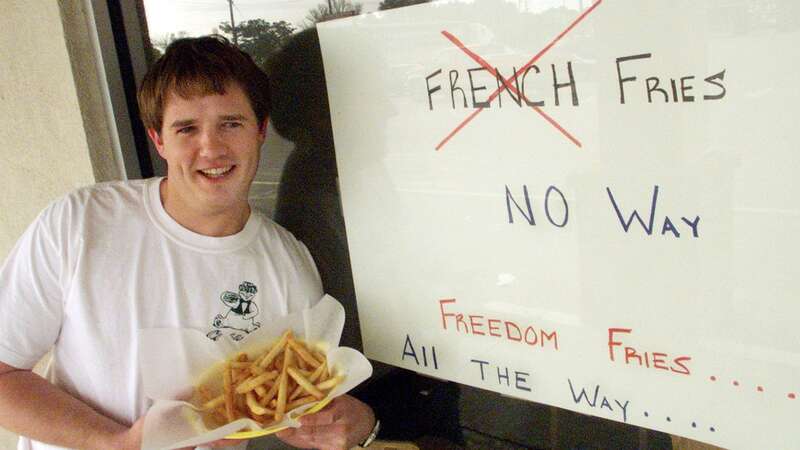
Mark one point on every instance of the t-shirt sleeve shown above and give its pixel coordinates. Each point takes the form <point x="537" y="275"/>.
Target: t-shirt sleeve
<point x="309" y="274"/>
<point x="306" y="285"/>
<point x="31" y="306"/>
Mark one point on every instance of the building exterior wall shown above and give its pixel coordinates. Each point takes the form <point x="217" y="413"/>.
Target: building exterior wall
<point x="45" y="151"/>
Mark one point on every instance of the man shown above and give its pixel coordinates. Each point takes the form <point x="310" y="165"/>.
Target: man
<point x="106" y="261"/>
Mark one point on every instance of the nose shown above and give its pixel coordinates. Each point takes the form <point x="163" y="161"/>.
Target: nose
<point x="212" y="145"/>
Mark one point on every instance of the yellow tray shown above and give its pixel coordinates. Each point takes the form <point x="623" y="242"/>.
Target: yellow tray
<point x="267" y="431"/>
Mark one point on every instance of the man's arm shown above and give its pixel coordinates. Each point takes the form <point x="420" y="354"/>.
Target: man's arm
<point x="33" y="407"/>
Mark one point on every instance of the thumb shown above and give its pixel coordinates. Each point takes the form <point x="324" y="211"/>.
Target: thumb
<point x="288" y="433"/>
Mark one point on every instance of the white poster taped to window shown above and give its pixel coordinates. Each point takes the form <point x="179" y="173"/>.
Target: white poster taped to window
<point x="593" y="207"/>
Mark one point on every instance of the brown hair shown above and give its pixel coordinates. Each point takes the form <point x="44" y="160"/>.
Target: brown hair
<point x="197" y="67"/>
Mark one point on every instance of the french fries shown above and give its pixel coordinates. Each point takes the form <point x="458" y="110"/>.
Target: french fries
<point x="285" y="376"/>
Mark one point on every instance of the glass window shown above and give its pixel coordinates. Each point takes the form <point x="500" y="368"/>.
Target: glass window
<point x="436" y="414"/>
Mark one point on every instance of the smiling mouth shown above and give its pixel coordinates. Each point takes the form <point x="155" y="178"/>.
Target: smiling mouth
<point x="216" y="172"/>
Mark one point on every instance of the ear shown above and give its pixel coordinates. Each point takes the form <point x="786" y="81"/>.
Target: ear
<point x="262" y="129"/>
<point x="157" y="141"/>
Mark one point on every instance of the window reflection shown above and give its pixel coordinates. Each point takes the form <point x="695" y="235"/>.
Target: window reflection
<point x="260" y="28"/>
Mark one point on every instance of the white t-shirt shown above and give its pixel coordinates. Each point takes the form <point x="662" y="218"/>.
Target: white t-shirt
<point x="106" y="261"/>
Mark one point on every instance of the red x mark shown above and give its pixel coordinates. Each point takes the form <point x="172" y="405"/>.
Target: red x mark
<point x="507" y="83"/>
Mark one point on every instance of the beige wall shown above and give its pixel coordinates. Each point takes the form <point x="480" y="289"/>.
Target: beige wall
<point x="44" y="151"/>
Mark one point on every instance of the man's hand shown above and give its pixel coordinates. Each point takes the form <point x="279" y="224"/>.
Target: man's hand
<point x="221" y="443"/>
<point x="131" y="439"/>
<point x="341" y="425"/>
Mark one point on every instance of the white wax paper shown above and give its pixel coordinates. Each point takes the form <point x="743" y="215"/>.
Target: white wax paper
<point x="174" y="360"/>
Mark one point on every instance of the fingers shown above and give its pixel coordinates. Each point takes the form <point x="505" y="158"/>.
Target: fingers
<point x="323" y="437"/>
<point x="291" y="437"/>
<point x="327" y="416"/>
<point x="341" y="425"/>
<point x="334" y="412"/>
<point x="224" y="443"/>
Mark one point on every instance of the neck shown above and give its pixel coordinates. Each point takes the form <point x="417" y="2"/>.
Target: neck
<point x="225" y="222"/>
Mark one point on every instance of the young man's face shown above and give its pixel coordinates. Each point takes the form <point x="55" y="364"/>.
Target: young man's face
<point x="212" y="146"/>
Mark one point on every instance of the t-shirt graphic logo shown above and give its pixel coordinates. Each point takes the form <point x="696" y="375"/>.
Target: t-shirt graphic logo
<point x="240" y="317"/>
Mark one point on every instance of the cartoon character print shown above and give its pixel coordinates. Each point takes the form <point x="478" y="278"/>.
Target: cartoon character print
<point x="240" y="317"/>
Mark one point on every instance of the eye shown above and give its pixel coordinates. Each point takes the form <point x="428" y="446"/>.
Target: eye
<point x="232" y="124"/>
<point x="185" y="130"/>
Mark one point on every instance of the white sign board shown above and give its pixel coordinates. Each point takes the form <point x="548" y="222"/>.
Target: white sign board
<point x="593" y="208"/>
